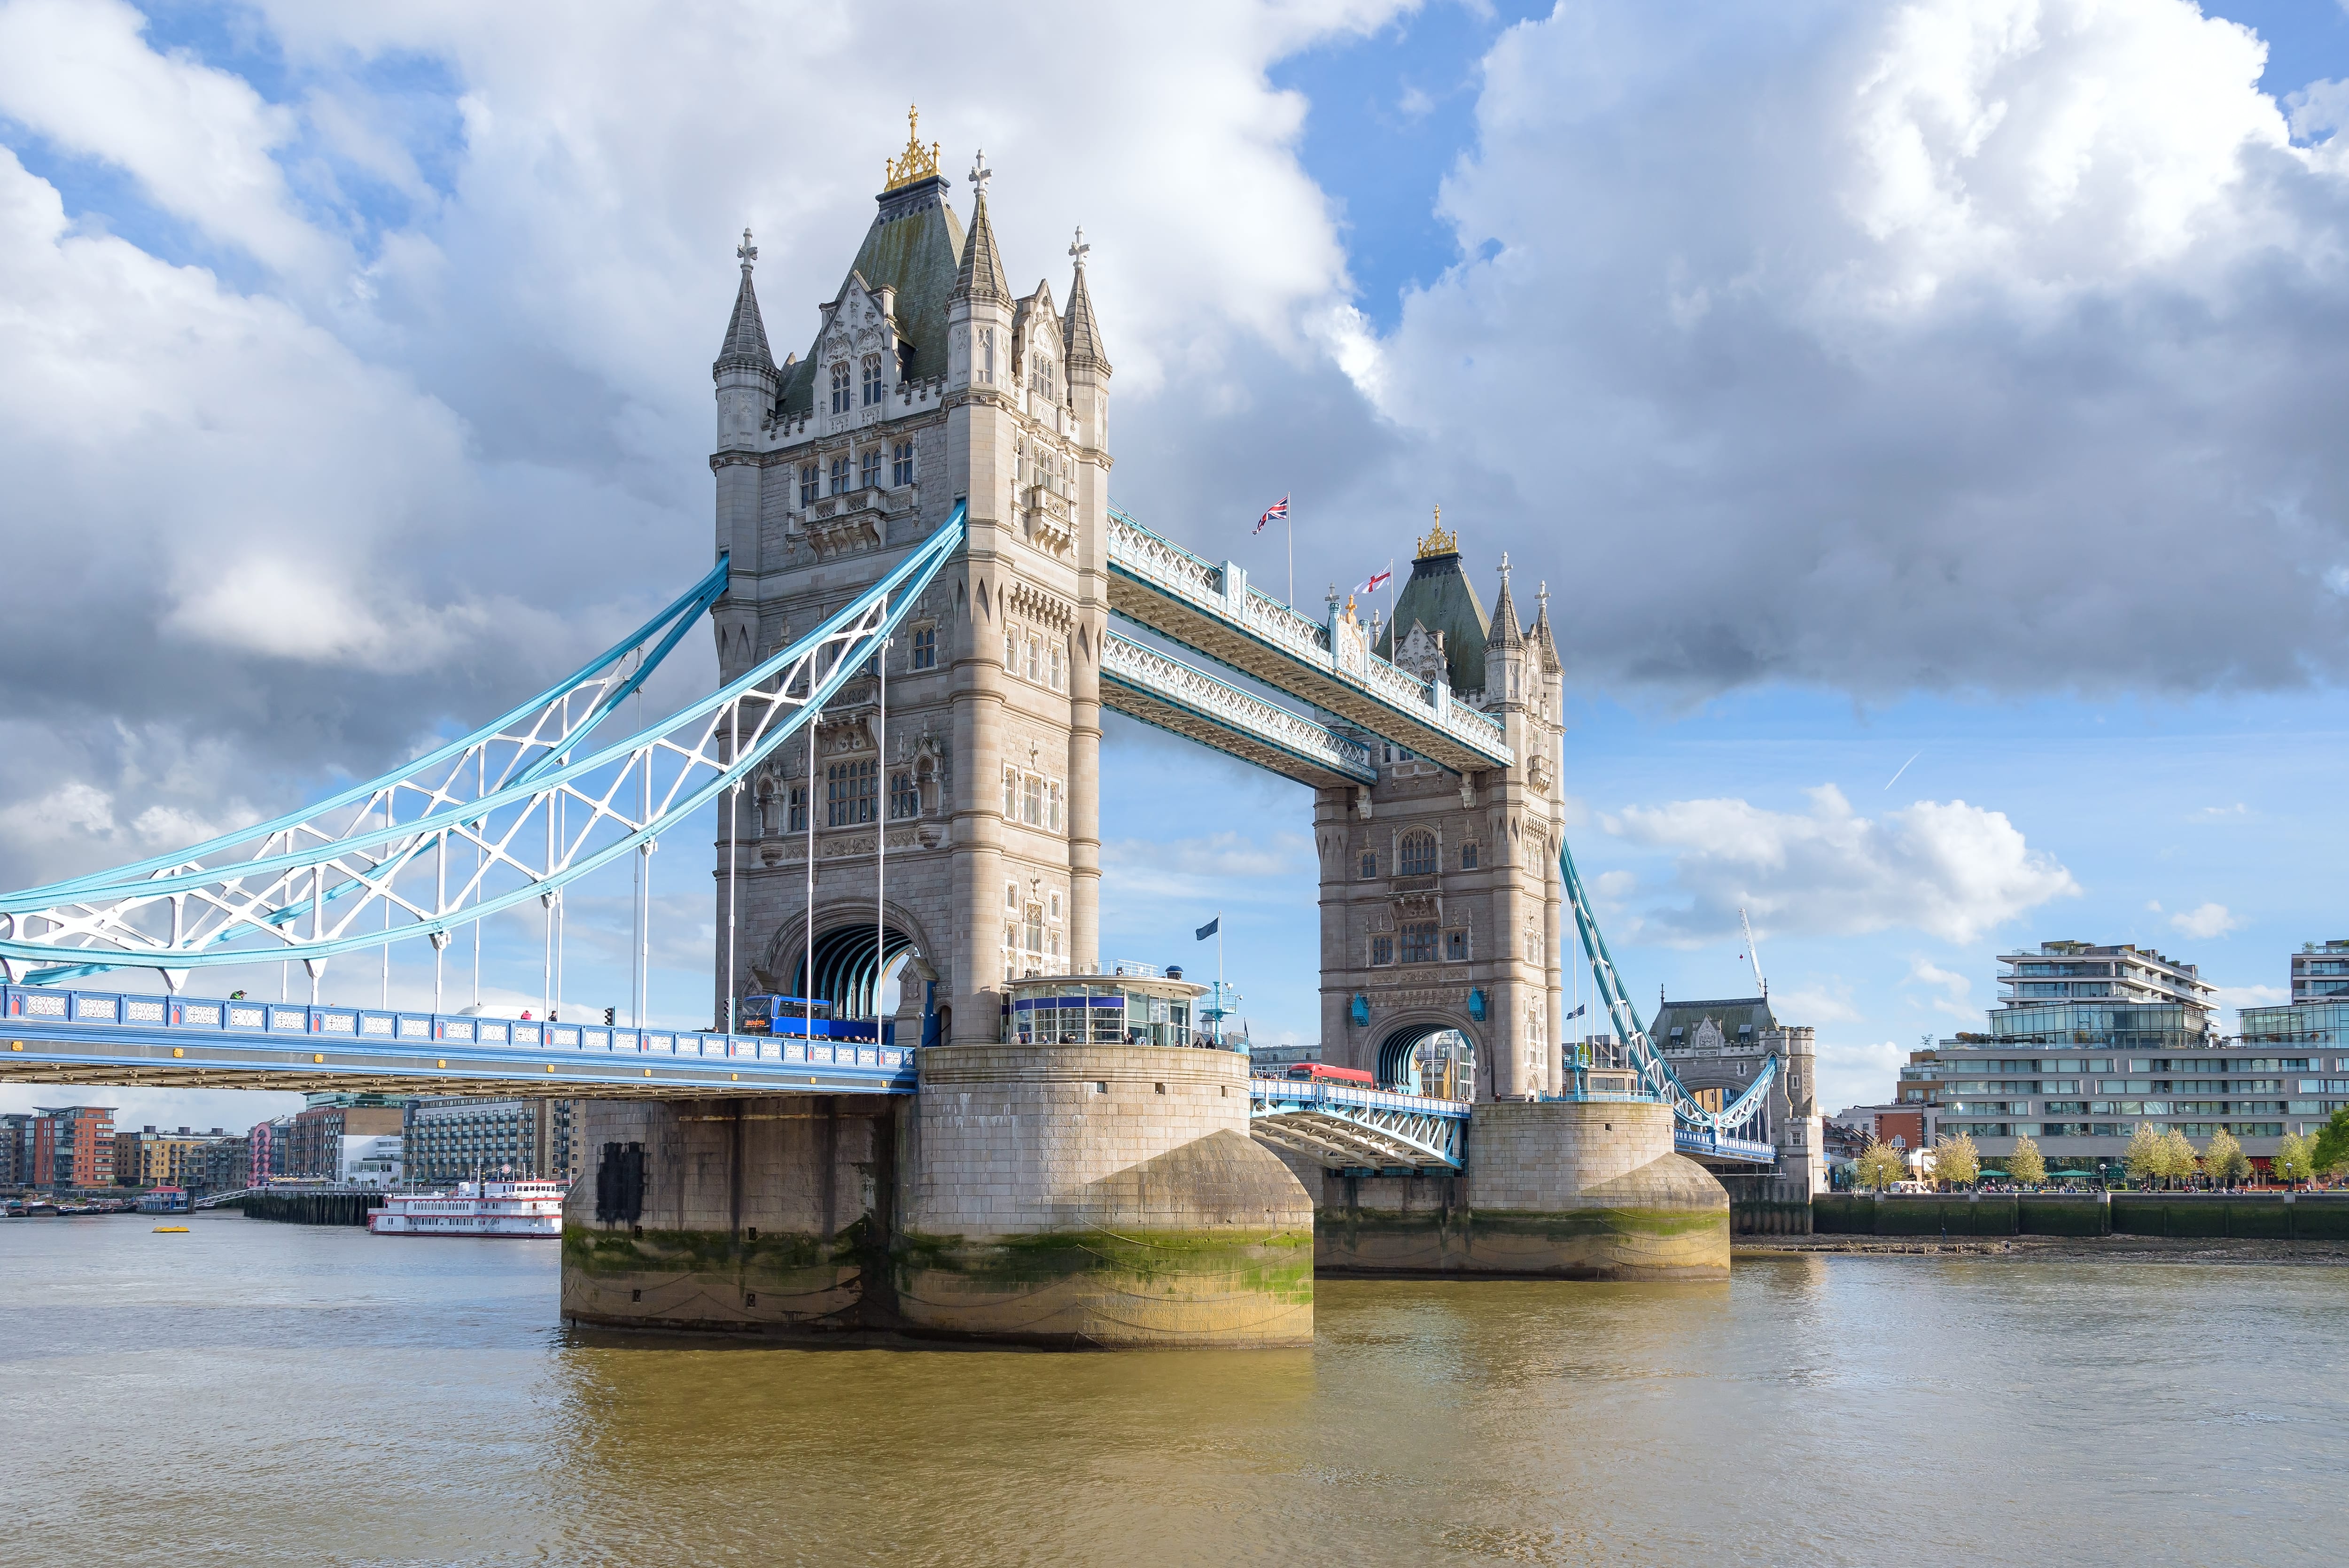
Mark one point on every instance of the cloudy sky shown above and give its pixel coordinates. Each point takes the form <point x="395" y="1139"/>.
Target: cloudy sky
<point x="1924" y="414"/>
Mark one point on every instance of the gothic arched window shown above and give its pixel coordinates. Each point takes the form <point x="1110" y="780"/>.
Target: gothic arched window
<point x="1415" y="857"/>
<point x="840" y="392"/>
<point x="1043" y="376"/>
<point x="874" y="392"/>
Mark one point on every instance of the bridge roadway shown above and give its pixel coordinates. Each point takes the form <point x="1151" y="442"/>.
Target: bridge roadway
<point x="77" y="1037"/>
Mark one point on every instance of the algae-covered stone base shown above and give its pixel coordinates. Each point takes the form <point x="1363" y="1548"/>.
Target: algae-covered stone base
<point x="1553" y="1191"/>
<point x="714" y="1280"/>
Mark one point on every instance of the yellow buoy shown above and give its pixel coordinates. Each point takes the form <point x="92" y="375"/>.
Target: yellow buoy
<point x="170" y="1230"/>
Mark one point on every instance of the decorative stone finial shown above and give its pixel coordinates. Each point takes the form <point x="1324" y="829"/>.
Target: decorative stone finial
<point x="746" y="252"/>
<point x="1078" y="248"/>
<point x="918" y="162"/>
<point x="981" y="173"/>
<point x="1436" y="541"/>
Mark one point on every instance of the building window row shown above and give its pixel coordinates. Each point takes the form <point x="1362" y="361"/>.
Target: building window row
<point x="1033" y="800"/>
<point x="1034" y="656"/>
<point x="857" y="469"/>
<point x="1417" y="854"/>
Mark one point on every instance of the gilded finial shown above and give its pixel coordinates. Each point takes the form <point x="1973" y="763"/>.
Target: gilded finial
<point x="1436" y="541"/>
<point x="919" y="162"/>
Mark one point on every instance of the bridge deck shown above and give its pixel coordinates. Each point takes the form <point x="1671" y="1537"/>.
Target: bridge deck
<point x="1144" y="683"/>
<point x="1157" y="583"/>
<point x="77" y="1037"/>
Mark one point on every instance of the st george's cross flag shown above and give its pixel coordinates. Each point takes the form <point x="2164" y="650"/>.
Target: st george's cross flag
<point x="1377" y="581"/>
<point x="1276" y="512"/>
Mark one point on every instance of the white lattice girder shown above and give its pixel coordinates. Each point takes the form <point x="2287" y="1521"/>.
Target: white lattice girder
<point x="1159" y="689"/>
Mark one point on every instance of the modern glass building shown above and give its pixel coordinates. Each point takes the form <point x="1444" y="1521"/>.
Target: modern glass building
<point x="2079" y="1076"/>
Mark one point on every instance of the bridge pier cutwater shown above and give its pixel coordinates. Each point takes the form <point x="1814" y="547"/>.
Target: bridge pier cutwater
<point x="1061" y="1195"/>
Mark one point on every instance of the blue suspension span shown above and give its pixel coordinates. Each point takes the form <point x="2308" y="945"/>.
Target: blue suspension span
<point x="175" y="913"/>
<point x="1695" y="1127"/>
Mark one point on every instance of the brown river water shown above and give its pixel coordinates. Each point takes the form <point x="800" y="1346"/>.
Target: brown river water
<point x="258" y="1393"/>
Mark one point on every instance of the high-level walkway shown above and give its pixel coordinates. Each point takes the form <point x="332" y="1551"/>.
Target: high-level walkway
<point x="1157" y="583"/>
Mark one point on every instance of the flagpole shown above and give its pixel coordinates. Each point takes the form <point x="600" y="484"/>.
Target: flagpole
<point x="1219" y="976"/>
<point x="1288" y="525"/>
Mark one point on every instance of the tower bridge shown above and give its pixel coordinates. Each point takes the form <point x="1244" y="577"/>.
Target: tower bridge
<point x="923" y="601"/>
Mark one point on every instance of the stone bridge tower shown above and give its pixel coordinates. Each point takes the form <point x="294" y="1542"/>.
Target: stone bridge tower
<point x="1442" y="907"/>
<point x="927" y="383"/>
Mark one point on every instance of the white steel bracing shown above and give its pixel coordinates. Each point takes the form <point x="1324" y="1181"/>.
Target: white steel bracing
<point x="1157" y="583"/>
<point x="1161" y="690"/>
<point x="505" y="816"/>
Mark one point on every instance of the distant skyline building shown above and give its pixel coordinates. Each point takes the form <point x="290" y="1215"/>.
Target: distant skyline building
<point x="2080" y="1070"/>
<point x="2320" y="971"/>
<point x="454" y="1139"/>
<point x="72" y="1147"/>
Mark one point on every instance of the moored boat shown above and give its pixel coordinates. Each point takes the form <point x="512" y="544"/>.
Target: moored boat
<point x="475" y="1208"/>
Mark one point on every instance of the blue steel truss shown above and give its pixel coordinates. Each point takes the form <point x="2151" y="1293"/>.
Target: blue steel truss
<point x="1342" y="1126"/>
<point x="349" y="875"/>
<point x="1737" y="1130"/>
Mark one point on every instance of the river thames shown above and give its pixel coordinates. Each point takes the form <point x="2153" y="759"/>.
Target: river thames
<point x="261" y="1393"/>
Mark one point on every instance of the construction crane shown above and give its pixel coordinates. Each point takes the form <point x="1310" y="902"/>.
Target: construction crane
<point x="1753" y="954"/>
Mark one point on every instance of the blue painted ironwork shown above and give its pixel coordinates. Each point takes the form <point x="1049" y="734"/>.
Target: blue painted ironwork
<point x="544" y="818"/>
<point x="1343" y="1125"/>
<point x="1737" y="1130"/>
<point x="1211" y="609"/>
<point x="1161" y="690"/>
<point x="55" y="1035"/>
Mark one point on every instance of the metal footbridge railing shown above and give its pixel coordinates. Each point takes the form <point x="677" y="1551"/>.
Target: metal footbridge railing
<point x="1343" y="1127"/>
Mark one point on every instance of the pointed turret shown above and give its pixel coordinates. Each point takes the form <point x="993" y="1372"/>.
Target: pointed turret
<point x="1504" y="649"/>
<point x="1506" y="633"/>
<point x="1080" y="341"/>
<point x="981" y="276"/>
<point x="1545" y="644"/>
<point x="745" y="347"/>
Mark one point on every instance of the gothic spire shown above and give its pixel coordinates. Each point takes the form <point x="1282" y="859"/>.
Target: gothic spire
<point x="746" y="335"/>
<point x="1080" y="344"/>
<point x="1544" y="642"/>
<point x="1508" y="633"/>
<point x="981" y="274"/>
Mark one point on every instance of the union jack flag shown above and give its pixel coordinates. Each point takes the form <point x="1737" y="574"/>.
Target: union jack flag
<point x="1276" y="512"/>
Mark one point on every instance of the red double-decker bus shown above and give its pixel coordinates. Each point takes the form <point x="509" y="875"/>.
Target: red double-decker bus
<point x="1318" y="1072"/>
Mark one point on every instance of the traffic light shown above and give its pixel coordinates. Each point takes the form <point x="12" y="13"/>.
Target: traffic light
<point x="611" y="1014"/>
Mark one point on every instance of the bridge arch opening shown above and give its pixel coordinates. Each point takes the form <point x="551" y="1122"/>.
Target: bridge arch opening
<point x="1428" y="1059"/>
<point x="854" y="970"/>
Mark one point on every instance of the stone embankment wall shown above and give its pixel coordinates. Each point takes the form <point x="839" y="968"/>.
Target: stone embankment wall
<point x="1552" y="1189"/>
<point x="1056" y="1195"/>
<point x="2297" y="1216"/>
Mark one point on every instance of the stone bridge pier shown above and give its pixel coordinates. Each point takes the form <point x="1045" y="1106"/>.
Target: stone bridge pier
<point x="1055" y="1195"/>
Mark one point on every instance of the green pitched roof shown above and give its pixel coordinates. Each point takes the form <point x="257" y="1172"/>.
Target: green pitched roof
<point x="1440" y="597"/>
<point x="915" y="246"/>
<point x="1751" y="1011"/>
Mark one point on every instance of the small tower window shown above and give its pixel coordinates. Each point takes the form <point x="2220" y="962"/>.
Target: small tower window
<point x="811" y="483"/>
<point x="1369" y="864"/>
<point x="987" y="352"/>
<point x="1011" y="814"/>
<point x="1044" y="375"/>
<point x="850" y="788"/>
<point x="840" y="389"/>
<point x="905" y="797"/>
<point x="901" y="464"/>
<point x="874" y="390"/>
<point x="1035" y="659"/>
<point x="1059" y="671"/>
<point x="1382" y="951"/>
<point x="1419" y="941"/>
<point x="796" y="813"/>
<point x="925" y="647"/>
<point x="870" y="475"/>
<point x="840" y="473"/>
<point x="1416" y="857"/>
<point x="1455" y="947"/>
<point x="1468" y="856"/>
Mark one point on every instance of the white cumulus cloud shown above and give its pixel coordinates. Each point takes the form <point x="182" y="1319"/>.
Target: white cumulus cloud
<point x="1949" y="870"/>
<point x="2206" y="921"/>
